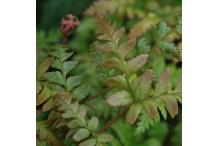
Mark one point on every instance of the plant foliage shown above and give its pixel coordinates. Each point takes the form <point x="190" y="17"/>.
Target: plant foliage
<point x="113" y="83"/>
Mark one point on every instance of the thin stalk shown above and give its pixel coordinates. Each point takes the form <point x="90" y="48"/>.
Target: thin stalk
<point x="93" y="97"/>
<point x="111" y="122"/>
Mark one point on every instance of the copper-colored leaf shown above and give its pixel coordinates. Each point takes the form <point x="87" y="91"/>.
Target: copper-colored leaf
<point x="136" y="63"/>
<point x="43" y="96"/>
<point x="44" y="66"/>
<point x="133" y="113"/>
<point x="142" y="27"/>
<point x="127" y="47"/>
<point x="113" y="63"/>
<point x="101" y="24"/>
<point x="118" y="34"/>
<point x="171" y="104"/>
<point x="118" y="82"/>
<point x="48" y="105"/>
<point x="151" y="108"/>
<point x="107" y="47"/>
<point x="105" y="37"/>
<point x="119" y="98"/>
<point x="163" y="83"/>
<point x="53" y="115"/>
<point x="100" y="6"/>
<point x="142" y="85"/>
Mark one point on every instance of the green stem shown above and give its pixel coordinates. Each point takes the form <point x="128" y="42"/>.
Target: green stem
<point x="111" y="122"/>
<point x="121" y="58"/>
<point x="93" y="97"/>
<point x="123" y="62"/>
<point x="62" y="71"/>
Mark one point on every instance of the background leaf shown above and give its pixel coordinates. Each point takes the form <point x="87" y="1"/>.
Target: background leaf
<point x="163" y="29"/>
<point x="168" y="46"/>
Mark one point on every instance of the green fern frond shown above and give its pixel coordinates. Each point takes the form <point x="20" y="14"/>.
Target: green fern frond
<point x="133" y="90"/>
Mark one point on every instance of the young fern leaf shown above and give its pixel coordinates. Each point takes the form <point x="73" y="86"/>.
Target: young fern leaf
<point x="43" y="93"/>
<point x="58" y="81"/>
<point x="128" y="89"/>
<point x="63" y="66"/>
<point x="165" y="37"/>
<point x="127" y="67"/>
<point x="64" y="113"/>
<point x="74" y="118"/>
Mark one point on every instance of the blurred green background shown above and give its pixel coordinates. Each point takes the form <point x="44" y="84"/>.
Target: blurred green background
<point x="49" y="14"/>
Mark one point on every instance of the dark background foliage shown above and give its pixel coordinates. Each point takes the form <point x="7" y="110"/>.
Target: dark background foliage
<point x="50" y="12"/>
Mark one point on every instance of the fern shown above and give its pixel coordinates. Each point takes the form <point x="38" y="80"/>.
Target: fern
<point x="64" y="113"/>
<point x="60" y="80"/>
<point x="74" y="117"/>
<point x="133" y="90"/>
<point x="57" y="94"/>
<point x="133" y="86"/>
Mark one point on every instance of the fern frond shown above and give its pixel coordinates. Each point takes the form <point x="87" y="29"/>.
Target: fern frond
<point x="130" y="87"/>
<point x="75" y="119"/>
